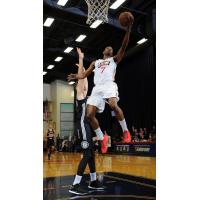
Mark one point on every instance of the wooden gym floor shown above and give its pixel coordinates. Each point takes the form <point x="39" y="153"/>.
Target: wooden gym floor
<point x="62" y="164"/>
<point x="125" y="177"/>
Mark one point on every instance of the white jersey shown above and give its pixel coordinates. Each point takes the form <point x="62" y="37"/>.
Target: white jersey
<point x="104" y="71"/>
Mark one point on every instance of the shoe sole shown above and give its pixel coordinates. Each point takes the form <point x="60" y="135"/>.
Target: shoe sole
<point x="73" y="192"/>
<point x="95" y="188"/>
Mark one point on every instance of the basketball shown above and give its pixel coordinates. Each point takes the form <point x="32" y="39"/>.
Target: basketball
<point x="125" y="18"/>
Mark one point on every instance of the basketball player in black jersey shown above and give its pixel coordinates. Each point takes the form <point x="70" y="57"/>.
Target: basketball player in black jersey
<point x="87" y="143"/>
<point x="50" y="141"/>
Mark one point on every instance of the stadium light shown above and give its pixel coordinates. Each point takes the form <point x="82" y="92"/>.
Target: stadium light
<point x="62" y="2"/>
<point x="68" y="49"/>
<point x="48" y="22"/>
<point x="142" y="41"/>
<point x="116" y="4"/>
<point x="80" y="38"/>
<point x="58" y="59"/>
<point x="96" y="23"/>
<point x="50" y="67"/>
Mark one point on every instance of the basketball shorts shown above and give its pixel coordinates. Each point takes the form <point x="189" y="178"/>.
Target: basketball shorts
<point x="102" y="92"/>
<point x="84" y="130"/>
<point x="50" y="143"/>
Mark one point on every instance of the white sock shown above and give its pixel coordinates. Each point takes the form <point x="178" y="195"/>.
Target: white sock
<point x="94" y="139"/>
<point x="99" y="133"/>
<point x="77" y="179"/>
<point x="123" y="125"/>
<point x="93" y="176"/>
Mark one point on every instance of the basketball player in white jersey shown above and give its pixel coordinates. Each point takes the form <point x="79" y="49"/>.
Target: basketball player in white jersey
<point x="105" y="88"/>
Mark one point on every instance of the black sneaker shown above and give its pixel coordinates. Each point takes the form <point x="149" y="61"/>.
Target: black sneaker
<point x="96" y="185"/>
<point x="76" y="189"/>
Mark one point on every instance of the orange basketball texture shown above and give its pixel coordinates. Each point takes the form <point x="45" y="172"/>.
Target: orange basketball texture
<point x="125" y="18"/>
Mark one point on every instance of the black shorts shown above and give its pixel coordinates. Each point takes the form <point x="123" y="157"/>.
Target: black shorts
<point x="50" y="143"/>
<point x="83" y="128"/>
<point x="85" y="132"/>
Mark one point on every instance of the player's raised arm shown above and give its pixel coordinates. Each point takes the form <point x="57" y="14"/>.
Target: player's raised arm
<point x="82" y="75"/>
<point x="120" y="53"/>
<point x="82" y="85"/>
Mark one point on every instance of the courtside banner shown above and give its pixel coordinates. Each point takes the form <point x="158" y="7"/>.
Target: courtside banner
<point x="136" y="149"/>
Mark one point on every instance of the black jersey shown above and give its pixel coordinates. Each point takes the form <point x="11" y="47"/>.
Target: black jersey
<point x="80" y="108"/>
<point x="82" y="125"/>
<point x="50" y="134"/>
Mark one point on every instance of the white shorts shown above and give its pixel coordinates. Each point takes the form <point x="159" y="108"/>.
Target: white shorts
<point x="102" y="92"/>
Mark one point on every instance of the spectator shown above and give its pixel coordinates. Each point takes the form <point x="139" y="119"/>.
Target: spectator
<point x="141" y="134"/>
<point x="136" y="135"/>
<point x="150" y="137"/>
<point x="64" y="145"/>
<point x="146" y="135"/>
<point x="58" y="143"/>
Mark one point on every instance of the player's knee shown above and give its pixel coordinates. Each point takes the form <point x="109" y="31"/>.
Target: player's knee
<point x="89" y="116"/>
<point x="114" y="107"/>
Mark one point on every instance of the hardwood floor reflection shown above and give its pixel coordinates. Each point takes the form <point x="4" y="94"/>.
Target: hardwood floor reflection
<point x="62" y="164"/>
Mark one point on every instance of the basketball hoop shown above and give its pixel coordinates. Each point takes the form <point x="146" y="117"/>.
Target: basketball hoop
<point x="97" y="10"/>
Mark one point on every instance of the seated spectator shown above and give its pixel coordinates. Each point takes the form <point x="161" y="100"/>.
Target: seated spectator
<point x="65" y="145"/>
<point x="141" y="134"/>
<point x="146" y="135"/>
<point x="70" y="144"/>
<point x="150" y="137"/>
<point x="58" y="143"/>
<point x="136" y="136"/>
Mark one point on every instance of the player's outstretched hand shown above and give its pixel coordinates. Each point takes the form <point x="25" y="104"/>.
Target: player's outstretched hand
<point x="129" y="27"/>
<point x="131" y="19"/>
<point x="80" y="53"/>
<point x="71" y="77"/>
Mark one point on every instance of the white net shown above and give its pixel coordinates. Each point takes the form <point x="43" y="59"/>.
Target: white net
<point x="97" y="10"/>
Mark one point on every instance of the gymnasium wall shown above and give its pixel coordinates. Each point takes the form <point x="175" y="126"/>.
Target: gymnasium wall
<point x="46" y="92"/>
<point x="58" y="92"/>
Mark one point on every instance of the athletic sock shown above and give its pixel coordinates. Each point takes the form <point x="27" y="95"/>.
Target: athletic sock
<point x="99" y="133"/>
<point x="77" y="179"/>
<point x="123" y="125"/>
<point x="94" y="139"/>
<point x="93" y="176"/>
